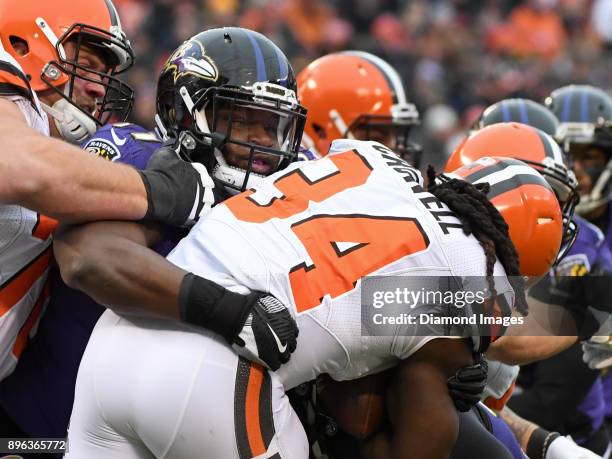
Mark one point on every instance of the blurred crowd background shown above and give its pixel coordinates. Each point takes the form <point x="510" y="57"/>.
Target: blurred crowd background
<point x="455" y="56"/>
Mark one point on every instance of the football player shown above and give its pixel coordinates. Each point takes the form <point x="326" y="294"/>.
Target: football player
<point x="188" y="299"/>
<point x="58" y="67"/>
<point x="71" y="77"/>
<point x="356" y="95"/>
<point x="61" y="59"/>
<point x="272" y="229"/>
<point x="540" y="151"/>
<point x="39" y="396"/>
<point x="524" y="111"/>
<point x="585" y="132"/>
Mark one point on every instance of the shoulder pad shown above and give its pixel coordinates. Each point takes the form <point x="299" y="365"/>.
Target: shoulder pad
<point x="124" y="142"/>
<point x="13" y="82"/>
<point x="304" y="154"/>
<point x="589" y="231"/>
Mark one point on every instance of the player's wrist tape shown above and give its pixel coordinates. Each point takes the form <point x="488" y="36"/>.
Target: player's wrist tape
<point x="209" y="305"/>
<point x="538" y="443"/>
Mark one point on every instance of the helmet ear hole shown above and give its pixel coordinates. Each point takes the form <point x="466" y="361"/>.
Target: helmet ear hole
<point x="20" y="46"/>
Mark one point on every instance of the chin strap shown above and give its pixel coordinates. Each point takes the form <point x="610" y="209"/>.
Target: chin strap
<point x="73" y="125"/>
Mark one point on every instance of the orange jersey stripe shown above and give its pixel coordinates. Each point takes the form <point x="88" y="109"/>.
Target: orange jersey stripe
<point x="22" y="338"/>
<point x="18" y="285"/>
<point x="44" y="227"/>
<point x="253" y="425"/>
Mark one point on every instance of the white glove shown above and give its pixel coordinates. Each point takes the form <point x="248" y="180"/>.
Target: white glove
<point x="565" y="448"/>
<point x="597" y="352"/>
<point x="499" y="379"/>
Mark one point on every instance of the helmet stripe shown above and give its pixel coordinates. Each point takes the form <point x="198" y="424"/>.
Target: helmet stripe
<point x="565" y="111"/>
<point x="584" y="106"/>
<point x="259" y="61"/>
<point x="506" y="112"/>
<point x="486" y="171"/>
<point x="114" y="16"/>
<point x="513" y="183"/>
<point x="524" y="116"/>
<point x="391" y="76"/>
<point x="551" y="149"/>
<point x="501" y="174"/>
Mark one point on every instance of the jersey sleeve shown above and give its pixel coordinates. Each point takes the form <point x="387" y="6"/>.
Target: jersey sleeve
<point x="13" y="81"/>
<point x="123" y="142"/>
<point x="216" y="250"/>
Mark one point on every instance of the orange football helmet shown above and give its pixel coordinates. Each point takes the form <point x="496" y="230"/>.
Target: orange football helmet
<point x="528" y="205"/>
<point x="350" y="91"/>
<point x="35" y="33"/>
<point x="537" y="149"/>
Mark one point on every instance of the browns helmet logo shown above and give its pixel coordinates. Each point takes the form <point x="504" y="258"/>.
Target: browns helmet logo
<point x="103" y="149"/>
<point x="190" y="59"/>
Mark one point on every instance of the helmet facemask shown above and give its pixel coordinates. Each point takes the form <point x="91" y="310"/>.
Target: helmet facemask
<point x="118" y="98"/>
<point x="563" y="182"/>
<point x="245" y="134"/>
<point x="392" y="131"/>
<point x="578" y="138"/>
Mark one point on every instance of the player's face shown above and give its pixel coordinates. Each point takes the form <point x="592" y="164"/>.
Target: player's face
<point x="87" y="92"/>
<point x="252" y="125"/>
<point x="384" y="134"/>
<point x="587" y="162"/>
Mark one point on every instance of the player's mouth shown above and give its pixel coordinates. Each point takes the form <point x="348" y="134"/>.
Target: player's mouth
<point x="264" y="164"/>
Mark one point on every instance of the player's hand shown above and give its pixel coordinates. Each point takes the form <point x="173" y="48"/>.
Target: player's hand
<point x="597" y="352"/>
<point x="467" y="386"/>
<point x="178" y="192"/>
<point x="500" y="384"/>
<point x="565" y="448"/>
<point x="269" y="334"/>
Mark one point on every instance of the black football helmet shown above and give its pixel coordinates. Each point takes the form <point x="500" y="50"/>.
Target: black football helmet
<point x="229" y="98"/>
<point x="585" y="121"/>
<point x="523" y="111"/>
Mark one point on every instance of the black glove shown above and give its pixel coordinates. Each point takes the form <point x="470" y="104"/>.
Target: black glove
<point x="269" y="333"/>
<point x="467" y="385"/>
<point x="178" y="192"/>
<point x="260" y="326"/>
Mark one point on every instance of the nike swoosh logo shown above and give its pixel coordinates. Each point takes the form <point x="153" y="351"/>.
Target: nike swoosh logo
<point x="119" y="141"/>
<point x="279" y="345"/>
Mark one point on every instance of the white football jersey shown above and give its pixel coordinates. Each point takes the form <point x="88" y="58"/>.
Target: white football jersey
<point x="25" y="238"/>
<point x="309" y="234"/>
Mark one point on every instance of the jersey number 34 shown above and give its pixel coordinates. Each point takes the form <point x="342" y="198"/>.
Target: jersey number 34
<point x="343" y="247"/>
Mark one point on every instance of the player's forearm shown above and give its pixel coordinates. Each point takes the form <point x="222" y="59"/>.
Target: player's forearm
<point x="423" y="406"/>
<point x="437" y="420"/>
<point x="61" y="181"/>
<point x="521" y="350"/>
<point x="521" y="428"/>
<point x="119" y="271"/>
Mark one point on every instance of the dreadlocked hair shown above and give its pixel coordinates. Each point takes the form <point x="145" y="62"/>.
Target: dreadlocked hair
<point x="480" y="218"/>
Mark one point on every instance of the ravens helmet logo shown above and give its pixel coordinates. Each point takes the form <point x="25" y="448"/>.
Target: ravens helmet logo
<point x="190" y="59"/>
